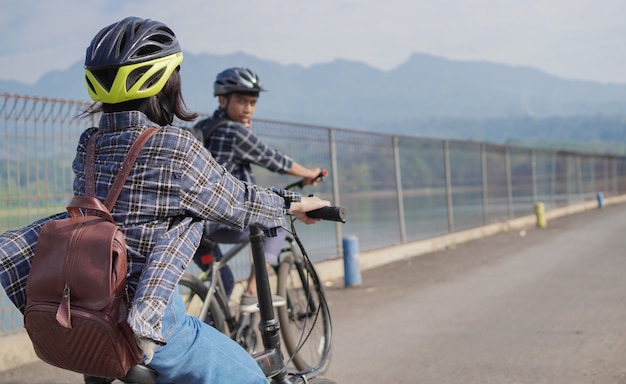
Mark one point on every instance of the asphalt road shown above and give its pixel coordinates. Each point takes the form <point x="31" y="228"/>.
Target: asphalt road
<point x="544" y="306"/>
<point x="547" y="307"/>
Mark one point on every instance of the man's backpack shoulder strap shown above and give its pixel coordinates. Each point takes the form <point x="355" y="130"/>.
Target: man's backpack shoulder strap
<point x="208" y="126"/>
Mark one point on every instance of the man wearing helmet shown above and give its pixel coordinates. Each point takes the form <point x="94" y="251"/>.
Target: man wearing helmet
<point x="132" y="74"/>
<point x="229" y="138"/>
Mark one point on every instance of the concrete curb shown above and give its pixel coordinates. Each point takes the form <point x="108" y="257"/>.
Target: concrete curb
<point x="17" y="349"/>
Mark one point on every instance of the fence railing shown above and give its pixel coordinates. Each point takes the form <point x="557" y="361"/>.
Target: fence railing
<point x="396" y="189"/>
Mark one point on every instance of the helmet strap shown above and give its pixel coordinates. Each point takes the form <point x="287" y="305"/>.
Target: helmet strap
<point x="227" y="97"/>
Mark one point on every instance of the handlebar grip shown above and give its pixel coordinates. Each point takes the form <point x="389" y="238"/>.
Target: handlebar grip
<point x="329" y="213"/>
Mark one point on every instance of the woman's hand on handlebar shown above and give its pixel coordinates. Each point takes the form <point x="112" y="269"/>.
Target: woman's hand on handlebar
<point x="305" y="205"/>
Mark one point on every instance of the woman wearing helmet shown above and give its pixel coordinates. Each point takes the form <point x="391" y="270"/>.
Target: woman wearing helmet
<point x="229" y="138"/>
<point x="131" y="72"/>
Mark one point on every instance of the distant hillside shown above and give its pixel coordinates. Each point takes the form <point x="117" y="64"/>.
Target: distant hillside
<point x="460" y="96"/>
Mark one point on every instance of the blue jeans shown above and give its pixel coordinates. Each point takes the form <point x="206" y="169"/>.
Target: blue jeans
<point x="197" y="353"/>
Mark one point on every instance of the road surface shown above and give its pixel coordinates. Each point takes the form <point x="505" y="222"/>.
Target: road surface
<point x="540" y="306"/>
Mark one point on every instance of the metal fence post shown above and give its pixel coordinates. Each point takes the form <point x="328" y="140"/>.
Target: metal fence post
<point x="399" y="193"/>
<point x="334" y="175"/>
<point x="592" y="174"/>
<point x="509" y="184"/>
<point x="483" y="158"/>
<point x="579" y="174"/>
<point x="553" y="178"/>
<point x="614" y="176"/>
<point x="533" y="173"/>
<point x="446" y="163"/>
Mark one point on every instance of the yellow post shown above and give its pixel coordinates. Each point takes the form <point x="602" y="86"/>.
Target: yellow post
<point x="540" y="212"/>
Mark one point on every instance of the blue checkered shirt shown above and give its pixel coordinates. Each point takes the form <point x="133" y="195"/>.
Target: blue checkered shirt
<point x="174" y="186"/>
<point x="236" y="147"/>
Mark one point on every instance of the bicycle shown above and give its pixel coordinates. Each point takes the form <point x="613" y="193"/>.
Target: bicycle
<point x="270" y="360"/>
<point x="305" y="321"/>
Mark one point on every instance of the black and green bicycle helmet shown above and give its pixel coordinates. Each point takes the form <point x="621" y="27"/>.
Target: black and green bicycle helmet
<point x="131" y="59"/>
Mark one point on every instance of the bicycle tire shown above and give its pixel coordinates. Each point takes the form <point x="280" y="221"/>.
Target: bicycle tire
<point x="306" y="329"/>
<point x="194" y="291"/>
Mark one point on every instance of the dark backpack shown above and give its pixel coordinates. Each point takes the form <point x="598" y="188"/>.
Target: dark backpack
<point x="205" y="128"/>
<point x="76" y="305"/>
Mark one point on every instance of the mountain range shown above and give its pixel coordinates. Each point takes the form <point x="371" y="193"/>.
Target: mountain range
<point x="425" y="96"/>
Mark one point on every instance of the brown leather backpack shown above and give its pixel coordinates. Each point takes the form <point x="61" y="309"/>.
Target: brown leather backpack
<point x="76" y="306"/>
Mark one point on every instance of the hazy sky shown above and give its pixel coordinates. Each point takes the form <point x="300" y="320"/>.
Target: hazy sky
<point x="576" y="39"/>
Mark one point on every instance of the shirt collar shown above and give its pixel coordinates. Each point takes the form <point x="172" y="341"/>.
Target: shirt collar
<point x="116" y="121"/>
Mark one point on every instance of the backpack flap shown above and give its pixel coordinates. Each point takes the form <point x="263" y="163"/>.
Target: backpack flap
<point x="88" y="205"/>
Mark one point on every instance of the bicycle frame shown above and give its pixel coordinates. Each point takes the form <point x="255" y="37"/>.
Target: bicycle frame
<point x="215" y="269"/>
<point x="270" y="360"/>
<point x="218" y="264"/>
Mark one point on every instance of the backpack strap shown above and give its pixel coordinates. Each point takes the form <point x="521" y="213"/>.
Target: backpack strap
<point x="209" y="126"/>
<point x="90" y="160"/>
<point x="120" y="178"/>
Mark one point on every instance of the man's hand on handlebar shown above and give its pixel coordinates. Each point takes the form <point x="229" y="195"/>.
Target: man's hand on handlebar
<point x="305" y="205"/>
<point x="319" y="175"/>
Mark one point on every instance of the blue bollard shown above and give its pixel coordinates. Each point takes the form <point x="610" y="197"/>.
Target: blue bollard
<point x="600" y="197"/>
<point x="351" y="268"/>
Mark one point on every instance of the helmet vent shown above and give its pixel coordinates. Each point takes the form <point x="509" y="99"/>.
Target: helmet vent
<point x="135" y="75"/>
<point x="146" y="50"/>
<point x="121" y="45"/>
<point x="153" y="79"/>
<point x="90" y="85"/>
<point x="105" y="77"/>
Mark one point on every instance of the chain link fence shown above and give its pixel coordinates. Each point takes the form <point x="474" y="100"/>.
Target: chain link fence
<point x="396" y="189"/>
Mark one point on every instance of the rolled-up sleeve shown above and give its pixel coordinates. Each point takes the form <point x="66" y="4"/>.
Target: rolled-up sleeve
<point x="208" y="191"/>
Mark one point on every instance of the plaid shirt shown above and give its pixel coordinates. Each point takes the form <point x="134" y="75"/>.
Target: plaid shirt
<point x="236" y="147"/>
<point x="173" y="187"/>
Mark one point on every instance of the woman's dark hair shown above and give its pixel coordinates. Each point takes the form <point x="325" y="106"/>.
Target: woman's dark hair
<point x="160" y="108"/>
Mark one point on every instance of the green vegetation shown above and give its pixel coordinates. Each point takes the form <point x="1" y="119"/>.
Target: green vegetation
<point x="32" y="189"/>
<point x="592" y="134"/>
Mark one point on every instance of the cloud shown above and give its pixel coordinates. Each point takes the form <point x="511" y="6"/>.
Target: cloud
<point x="575" y="39"/>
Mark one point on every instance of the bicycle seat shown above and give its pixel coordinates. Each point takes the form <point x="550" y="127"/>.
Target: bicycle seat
<point x="140" y="374"/>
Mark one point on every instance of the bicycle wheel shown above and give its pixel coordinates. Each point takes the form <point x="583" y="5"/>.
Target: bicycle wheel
<point x="193" y="292"/>
<point x="305" y="320"/>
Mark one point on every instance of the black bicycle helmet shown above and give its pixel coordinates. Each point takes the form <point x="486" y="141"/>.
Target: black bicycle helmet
<point x="236" y="80"/>
<point x="131" y="59"/>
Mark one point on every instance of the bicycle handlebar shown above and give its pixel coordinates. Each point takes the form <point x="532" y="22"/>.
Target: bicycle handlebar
<point x="326" y="213"/>
<point x="329" y="213"/>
